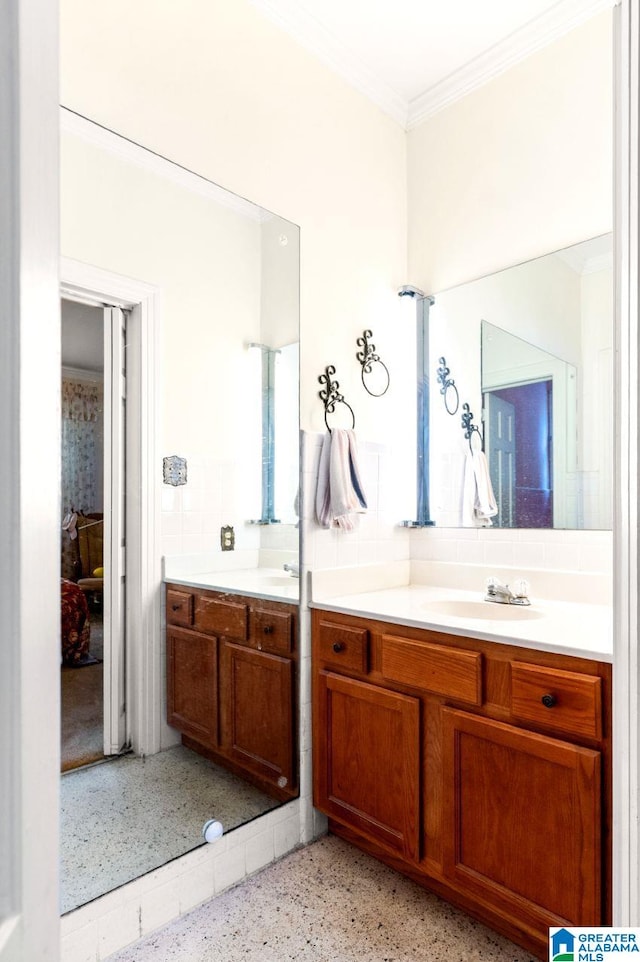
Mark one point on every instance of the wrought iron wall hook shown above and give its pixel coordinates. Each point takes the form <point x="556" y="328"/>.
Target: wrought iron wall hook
<point x="331" y="395"/>
<point x="367" y="358"/>
<point x="448" y="387"/>
<point x="470" y="428"/>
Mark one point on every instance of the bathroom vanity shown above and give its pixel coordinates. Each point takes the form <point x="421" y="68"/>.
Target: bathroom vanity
<point x="231" y="682"/>
<point x="480" y="768"/>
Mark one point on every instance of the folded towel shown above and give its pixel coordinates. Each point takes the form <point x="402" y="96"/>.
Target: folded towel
<point x="340" y="492"/>
<point x="478" y="500"/>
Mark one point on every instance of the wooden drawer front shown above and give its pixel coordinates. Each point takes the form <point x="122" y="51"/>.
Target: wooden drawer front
<point x="573" y="701"/>
<point x="179" y="607"/>
<point x="443" y="671"/>
<point x="271" y="630"/>
<point x="344" y="647"/>
<point x="226" y="618"/>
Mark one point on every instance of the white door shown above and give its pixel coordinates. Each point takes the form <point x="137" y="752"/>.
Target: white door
<point x="115" y="734"/>
<point x="500" y="443"/>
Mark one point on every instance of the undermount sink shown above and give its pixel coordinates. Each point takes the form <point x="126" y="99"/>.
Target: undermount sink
<point x="487" y="610"/>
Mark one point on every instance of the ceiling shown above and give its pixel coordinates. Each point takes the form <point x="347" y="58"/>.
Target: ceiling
<point x="413" y="57"/>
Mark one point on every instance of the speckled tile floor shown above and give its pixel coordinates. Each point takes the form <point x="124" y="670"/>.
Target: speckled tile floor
<point x="110" y="815"/>
<point x="327" y="902"/>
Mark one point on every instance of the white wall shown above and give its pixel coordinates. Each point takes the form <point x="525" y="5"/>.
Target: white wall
<point x="520" y="167"/>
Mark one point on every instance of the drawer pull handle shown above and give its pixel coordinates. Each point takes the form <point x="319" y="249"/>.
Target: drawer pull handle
<point x="549" y="701"/>
<point x="339" y="646"/>
<point x="176" y="607"/>
<point x="268" y="629"/>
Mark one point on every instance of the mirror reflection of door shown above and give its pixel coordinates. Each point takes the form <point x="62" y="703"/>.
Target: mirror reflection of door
<point x="92" y="512"/>
<point x="501" y="455"/>
<point x="519" y="445"/>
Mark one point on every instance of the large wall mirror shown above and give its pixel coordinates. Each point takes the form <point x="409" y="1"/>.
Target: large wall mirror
<point x="225" y="273"/>
<point x="530" y="349"/>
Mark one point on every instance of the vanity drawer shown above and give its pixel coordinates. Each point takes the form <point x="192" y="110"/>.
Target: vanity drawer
<point x="566" y="701"/>
<point x="343" y="647"/>
<point x="225" y="618"/>
<point x="451" y="672"/>
<point x="179" y="607"/>
<point x="271" y="630"/>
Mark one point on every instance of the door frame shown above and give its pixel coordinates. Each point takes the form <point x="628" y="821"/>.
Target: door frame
<point x="144" y="666"/>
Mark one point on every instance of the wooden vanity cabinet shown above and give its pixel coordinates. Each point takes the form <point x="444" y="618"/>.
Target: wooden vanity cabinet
<point x="480" y="769"/>
<point x="231" y="673"/>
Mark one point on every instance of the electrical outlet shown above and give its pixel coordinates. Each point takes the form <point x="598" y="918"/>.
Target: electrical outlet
<point x="227" y="538"/>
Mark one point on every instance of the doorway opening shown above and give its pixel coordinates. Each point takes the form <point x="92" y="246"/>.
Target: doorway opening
<point x="519" y="444"/>
<point x="92" y="538"/>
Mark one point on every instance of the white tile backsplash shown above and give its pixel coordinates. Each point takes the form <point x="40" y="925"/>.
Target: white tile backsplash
<point x="379" y="537"/>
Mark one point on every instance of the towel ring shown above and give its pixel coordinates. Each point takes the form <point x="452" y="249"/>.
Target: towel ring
<point x="367" y="358"/>
<point x="448" y="386"/>
<point x="332" y="396"/>
<point x="470" y="428"/>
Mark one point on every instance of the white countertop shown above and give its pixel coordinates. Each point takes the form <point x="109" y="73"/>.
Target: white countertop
<point x="571" y="628"/>
<point x="273" y="584"/>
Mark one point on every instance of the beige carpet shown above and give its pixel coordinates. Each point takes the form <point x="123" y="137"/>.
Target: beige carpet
<point x="82" y="723"/>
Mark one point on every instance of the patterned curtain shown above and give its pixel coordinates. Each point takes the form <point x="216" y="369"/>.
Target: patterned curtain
<point x="81" y="446"/>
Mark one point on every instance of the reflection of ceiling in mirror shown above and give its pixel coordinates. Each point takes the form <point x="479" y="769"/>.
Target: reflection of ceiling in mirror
<point x="592" y="255"/>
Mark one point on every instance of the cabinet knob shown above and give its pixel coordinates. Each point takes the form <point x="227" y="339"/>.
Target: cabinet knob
<point x="549" y="700"/>
<point x="339" y="646"/>
<point x="176" y="607"/>
<point x="268" y="629"/>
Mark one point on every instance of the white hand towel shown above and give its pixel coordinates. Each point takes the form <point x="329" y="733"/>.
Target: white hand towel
<point x="323" y="490"/>
<point x="478" y="500"/>
<point x="339" y="492"/>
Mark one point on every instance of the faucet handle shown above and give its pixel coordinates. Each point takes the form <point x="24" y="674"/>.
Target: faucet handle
<point x="521" y="588"/>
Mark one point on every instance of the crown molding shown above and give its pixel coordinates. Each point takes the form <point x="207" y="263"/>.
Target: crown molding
<point x="533" y="36"/>
<point x="328" y="48"/>
<point x="336" y="55"/>
<point x="133" y="153"/>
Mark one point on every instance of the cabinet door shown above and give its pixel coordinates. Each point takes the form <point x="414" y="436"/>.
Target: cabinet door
<point x="522" y="821"/>
<point x="258" y="694"/>
<point x="367" y="743"/>
<point x="192" y="684"/>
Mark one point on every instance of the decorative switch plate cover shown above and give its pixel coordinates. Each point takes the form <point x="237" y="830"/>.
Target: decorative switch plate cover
<point x="174" y="470"/>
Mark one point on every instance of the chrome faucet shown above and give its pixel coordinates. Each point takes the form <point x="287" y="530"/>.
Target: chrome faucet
<point x="293" y="568"/>
<point x="503" y="595"/>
